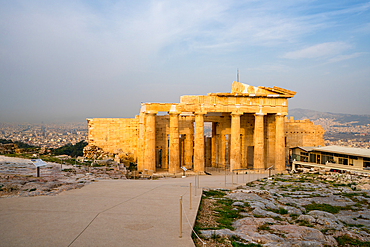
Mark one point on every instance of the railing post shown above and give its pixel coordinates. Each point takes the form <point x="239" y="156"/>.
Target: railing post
<point x="232" y="177"/>
<point x="180" y="217"/>
<point x="225" y="177"/>
<point x="190" y="195"/>
<point x="195" y="186"/>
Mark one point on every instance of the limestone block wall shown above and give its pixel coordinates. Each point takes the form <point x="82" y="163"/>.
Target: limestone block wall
<point x="302" y="133"/>
<point x="111" y="134"/>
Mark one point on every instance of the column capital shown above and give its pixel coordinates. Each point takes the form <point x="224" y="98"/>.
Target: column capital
<point x="236" y="113"/>
<point x="151" y="112"/>
<point x="281" y="114"/>
<point x="200" y="113"/>
<point x="174" y="113"/>
<point x="259" y="114"/>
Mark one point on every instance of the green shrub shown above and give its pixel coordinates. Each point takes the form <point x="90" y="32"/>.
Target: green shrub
<point x="282" y="211"/>
<point x="226" y="213"/>
<point x="344" y="241"/>
<point x="323" y="207"/>
<point x="214" y="193"/>
<point x="71" y="150"/>
<point x="264" y="227"/>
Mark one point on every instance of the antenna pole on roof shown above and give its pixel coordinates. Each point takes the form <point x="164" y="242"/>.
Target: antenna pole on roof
<point x="237" y="74"/>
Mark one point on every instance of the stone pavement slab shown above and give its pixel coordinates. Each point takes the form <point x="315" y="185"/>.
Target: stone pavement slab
<point x="106" y="213"/>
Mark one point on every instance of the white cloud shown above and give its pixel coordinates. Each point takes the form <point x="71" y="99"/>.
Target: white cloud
<point x="320" y="50"/>
<point x="344" y="57"/>
<point x="365" y="28"/>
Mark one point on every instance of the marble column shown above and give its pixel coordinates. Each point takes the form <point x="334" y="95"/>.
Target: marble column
<point x="223" y="150"/>
<point x="214" y="140"/>
<point x="270" y="139"/>
<point x="189" y="146"/>
<point x="140" y="142"/>
<point x="235" y="141"/>
<point x="149" y="158"/>
<point x="280" y="143"/>
<point x="174" y="143"/>
<point x="199" y="143"/>
<point x="259" y="159"/>
<point x="208" y="150"/>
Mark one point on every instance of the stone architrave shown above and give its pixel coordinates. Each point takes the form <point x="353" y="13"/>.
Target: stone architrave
<point x="199" y="142"/>
<point x="235" y="155"/>
<point x="174" y="143"/>
<point x="149" y="159"/>
<point x="259" y="159"/>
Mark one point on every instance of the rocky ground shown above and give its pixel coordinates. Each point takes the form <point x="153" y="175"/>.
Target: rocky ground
<point x="319" y="209"/>
<point x="18" y="177"/>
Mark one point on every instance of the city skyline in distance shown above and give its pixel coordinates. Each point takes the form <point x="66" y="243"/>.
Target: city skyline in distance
<point x="65" y="62"/>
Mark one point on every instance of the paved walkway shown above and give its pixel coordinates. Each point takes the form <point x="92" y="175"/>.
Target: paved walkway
<point x="107" y="213"/>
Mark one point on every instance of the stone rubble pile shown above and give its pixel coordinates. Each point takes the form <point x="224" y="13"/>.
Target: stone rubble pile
<point x="94" y="152"/>
<point x="299" y="210"/>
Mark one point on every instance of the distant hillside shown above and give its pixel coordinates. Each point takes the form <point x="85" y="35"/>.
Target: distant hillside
<point x="353" y="119"/>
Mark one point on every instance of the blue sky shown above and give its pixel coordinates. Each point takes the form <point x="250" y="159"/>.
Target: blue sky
<point x="69" y="60"/>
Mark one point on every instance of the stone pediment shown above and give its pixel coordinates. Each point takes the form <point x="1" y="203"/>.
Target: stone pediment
<point x="242" y="88"/>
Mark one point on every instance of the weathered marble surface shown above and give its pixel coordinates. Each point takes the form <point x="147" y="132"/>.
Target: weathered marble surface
<point x="18" y="177"/>
<point x="279" y="212"/>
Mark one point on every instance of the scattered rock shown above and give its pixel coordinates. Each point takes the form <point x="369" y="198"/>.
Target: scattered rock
<point x="308" y="209"/>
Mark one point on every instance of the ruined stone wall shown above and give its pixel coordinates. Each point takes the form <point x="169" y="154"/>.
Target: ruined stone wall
<point x="112" y="134"/>
<point x="302" y="133"/>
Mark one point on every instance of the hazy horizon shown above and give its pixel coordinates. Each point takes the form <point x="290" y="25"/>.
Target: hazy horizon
<point x="71" y="60"/>
<point x="84" y="121"/>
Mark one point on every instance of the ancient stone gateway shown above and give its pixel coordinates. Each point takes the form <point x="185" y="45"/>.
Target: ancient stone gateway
<point x="248" y="131"/>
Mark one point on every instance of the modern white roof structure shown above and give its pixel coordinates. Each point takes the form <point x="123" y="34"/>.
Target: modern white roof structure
<point x="361" y="152"/>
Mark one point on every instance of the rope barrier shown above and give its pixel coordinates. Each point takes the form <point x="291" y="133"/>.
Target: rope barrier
<point x="192" y="229"/>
